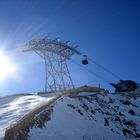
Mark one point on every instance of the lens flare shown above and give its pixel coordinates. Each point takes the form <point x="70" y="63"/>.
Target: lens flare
<point x="7" y="68"/>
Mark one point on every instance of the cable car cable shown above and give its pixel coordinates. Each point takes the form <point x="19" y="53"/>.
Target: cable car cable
<point x="93" y="73"/>
<point x="105" y="69"/>
<point x="108" y="71"/>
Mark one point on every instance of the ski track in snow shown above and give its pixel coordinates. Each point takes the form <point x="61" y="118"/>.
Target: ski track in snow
<point x="13" y="108"/>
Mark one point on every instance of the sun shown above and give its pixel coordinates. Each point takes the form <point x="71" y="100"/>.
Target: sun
<point x="7" y="68"/>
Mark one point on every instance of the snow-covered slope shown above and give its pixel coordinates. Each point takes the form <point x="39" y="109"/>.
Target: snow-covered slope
<point x="87" y="117"/>
<point x="13" y="108"/>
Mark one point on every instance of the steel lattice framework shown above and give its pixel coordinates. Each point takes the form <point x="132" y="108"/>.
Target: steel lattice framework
<point x="55" y="54"/>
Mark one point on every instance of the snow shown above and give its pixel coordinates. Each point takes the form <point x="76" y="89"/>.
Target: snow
<point x="73" y="119"/>
<point x="5" y="100"/>
<point x="13" y="108"/>
<point x="85" y="94"/>
<point x="66" y="124"/>
<point x="83" y="116"/>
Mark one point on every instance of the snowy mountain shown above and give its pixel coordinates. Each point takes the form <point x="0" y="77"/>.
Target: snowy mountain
<point x="83" y="116"/>
<point x="14" y="108"/>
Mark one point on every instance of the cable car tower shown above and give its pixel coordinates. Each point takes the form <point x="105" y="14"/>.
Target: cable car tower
<point x="55" y="55"/>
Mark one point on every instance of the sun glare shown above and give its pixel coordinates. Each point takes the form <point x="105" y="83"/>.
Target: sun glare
<point x="7" y="69"/>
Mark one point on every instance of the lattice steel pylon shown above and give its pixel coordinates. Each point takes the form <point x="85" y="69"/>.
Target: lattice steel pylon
<point x="55" y="54"/>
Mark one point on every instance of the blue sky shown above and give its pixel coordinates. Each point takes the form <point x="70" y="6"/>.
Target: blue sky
<point x="108" y="31"/>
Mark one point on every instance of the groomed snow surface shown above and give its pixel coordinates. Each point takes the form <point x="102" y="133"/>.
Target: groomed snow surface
<point x="14" y="108"/>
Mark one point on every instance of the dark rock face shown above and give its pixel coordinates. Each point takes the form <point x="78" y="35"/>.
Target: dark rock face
<point x="131" y="112"/>
<point x="106" y="122"/>
<point x="125" y="86"/>
<point x="129" y="103"/>
<point x="111" y="113"/>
